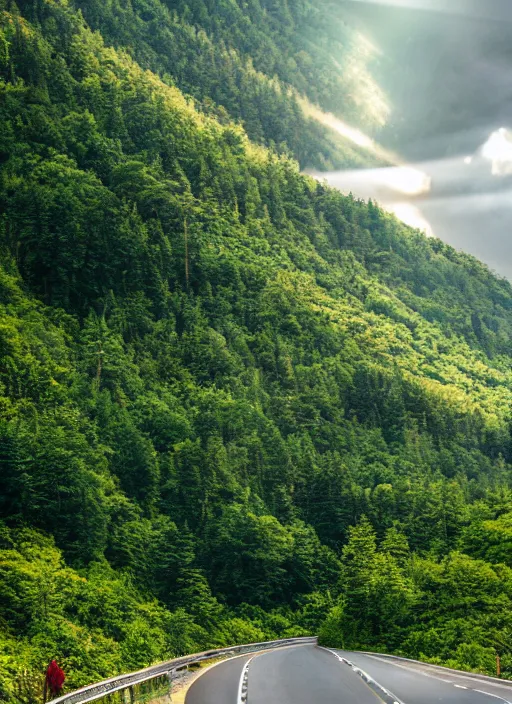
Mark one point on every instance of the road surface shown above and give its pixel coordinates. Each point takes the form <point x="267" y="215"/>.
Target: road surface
<point x="311" y="675"/>
<point x="415" y="683"/>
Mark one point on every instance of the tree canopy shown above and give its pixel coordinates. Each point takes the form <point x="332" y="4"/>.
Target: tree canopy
<point x="234" y="403"/>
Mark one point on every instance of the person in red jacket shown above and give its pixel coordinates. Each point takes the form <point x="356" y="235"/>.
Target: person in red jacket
<point x="54" y="680"/>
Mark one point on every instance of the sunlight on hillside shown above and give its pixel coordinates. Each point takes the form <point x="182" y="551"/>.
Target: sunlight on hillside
<point x="346" y="131"/>
<point x="410" y="215"/>
<point x="361" y="91"/>
<point x="364" y="90"/>
<point x="334" y="123"/>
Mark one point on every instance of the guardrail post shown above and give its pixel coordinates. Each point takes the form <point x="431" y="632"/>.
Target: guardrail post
<point x="132" y="695"/>
<point x="169" y="679"/>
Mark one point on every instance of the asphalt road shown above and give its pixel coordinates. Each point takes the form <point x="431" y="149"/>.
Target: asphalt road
<point x="219" y="685"/>
<point x="305" y="675"/>
<point x="311" y="675"/>
<point x="297" y="675"/>
<point x="415" y="683"/>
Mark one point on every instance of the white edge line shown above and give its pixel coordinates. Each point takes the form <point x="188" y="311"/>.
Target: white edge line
<point x="412" y="669"/>
<point x="242" y="691"/>
<point x="481" y="691"/>
<point x="488" y="684"/>
<point x="469" y="676"/>
<point x="241" y="699"/>
<point x="409" y="669"/>
<point x="237" y="657"/>
<point x="491" y="681"/>
<point x="365" y="676"/>
<point x="216" y="664"/>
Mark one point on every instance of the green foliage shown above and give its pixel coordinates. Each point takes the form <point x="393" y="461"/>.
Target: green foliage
<point x="234" y="404"/>
<point x="454" y="610"/>
<point x="256" y="63"/>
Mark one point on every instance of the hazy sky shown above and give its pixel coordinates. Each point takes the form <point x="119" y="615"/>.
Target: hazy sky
<point x="488" y="9"/>
<point x="447" y="68"/>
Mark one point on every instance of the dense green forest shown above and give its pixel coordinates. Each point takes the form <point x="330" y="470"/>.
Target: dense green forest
<point x="262" y="64"/>
<point x="234" y="404"/>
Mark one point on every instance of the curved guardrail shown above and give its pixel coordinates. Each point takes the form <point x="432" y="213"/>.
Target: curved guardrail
<point x="167" y="669"/>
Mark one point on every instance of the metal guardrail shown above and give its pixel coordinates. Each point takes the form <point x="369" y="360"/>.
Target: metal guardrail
<point x="167" y="669"/>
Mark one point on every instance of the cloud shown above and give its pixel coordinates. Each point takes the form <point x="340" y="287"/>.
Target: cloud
<point x="446" y="67"/>
<point x="464" y="202"/>
<point x="486" y="9"/>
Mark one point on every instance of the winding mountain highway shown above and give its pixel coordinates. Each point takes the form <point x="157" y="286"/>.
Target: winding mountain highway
<point x="308" y="674"/>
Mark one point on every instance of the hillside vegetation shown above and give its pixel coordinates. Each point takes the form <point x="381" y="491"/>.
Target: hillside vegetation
<point x="264" y="64"/>
<point x="234" y="404"/>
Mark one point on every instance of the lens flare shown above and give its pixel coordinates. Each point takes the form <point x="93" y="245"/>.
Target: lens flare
<point x="382" y="185"/>
<point x="498" y="150"/>
<point x="407" y="180"/>
<point x="483" y="10"/>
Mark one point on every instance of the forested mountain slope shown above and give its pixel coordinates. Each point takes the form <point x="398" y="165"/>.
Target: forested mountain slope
<point x="257" y="62"/>
<point x="235" y="404"/>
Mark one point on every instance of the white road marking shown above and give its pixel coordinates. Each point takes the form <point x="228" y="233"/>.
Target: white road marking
<point x="454" y="674"/>
<point x="365" y="676"/>
<point x="480" y="691"/>
<point x="210" y="667"/>
<point x="244" y="677"/>
<point x="489" y="684"/>
<point x="408" y="669"/>
<point x="242" y="685"/>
